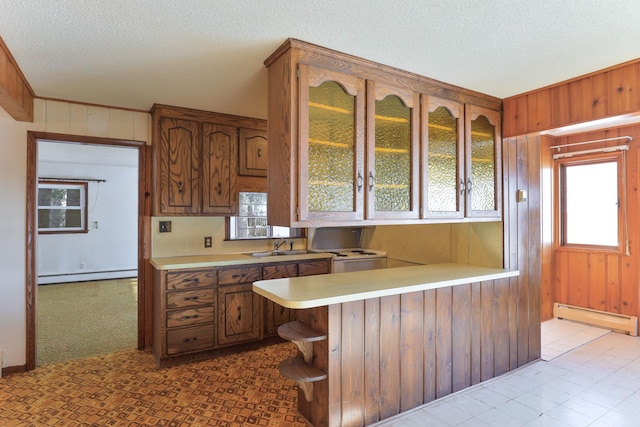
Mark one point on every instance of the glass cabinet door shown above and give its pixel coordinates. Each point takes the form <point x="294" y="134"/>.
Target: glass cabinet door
<point x="331" y="145"/>
<point x="392" y="153"/>
<point x="443" y="176"/>
<point x="483" y="184"/>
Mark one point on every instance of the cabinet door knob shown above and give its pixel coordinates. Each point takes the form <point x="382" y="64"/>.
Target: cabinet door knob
<point x="180" y="187"/>
<point x="461" y="187"/>
<point x="371" y="181"/>
<point x="239" y="313"/>
<point x="359" y="181"/>
<point x="219" y="188"/>
<point x="469" y="185"/>
<point x="259" y="153"/>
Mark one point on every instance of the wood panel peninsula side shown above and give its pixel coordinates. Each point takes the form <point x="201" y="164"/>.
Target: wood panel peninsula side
<point x="377" y="343"/>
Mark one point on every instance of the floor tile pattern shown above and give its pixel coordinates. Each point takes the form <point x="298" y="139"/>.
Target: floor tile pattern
<point x="126" y="389"/>
<point x="596" y="384"/>
<point x="561" y="336"/>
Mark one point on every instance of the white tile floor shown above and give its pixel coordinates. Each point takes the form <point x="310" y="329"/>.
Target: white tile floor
<point x="597" y="383"/>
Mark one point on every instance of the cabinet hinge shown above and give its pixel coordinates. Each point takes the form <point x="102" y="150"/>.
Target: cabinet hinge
<point x="297" y="213"/>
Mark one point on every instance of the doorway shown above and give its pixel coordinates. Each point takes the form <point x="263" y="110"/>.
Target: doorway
<point x="143" y="223"/>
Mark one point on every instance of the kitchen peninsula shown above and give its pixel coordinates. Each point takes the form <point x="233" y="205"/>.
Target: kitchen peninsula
<point x="378" y="343"/>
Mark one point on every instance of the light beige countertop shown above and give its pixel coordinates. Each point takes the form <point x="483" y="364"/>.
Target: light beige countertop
<point x="220" y="260"/>
<point x="326" y="289"/>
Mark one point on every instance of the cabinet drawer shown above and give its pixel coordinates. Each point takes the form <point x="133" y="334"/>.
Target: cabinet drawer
<point x="190" y="279"/>
<point x="230" y="276"/>
<point x="279" y="271"/>
<point x="190" y="298"/>
<point x="190" y="339"/>
<point x="190" y="316"/>
<point x="314" y="267"/>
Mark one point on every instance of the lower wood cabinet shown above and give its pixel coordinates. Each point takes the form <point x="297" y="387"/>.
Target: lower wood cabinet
<point x="198" y="312"/>
<point x="240" y="314"/>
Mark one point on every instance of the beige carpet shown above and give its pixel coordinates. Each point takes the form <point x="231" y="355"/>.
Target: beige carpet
<point x="78" y="320"/>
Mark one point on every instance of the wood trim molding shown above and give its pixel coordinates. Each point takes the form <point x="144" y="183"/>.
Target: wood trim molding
<point x="10" y="370"/>
<point x="145" y="281"/>
<point x="16" y="95"/>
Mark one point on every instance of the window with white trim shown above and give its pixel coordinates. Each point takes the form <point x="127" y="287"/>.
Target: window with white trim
<point x="62" y="207"/>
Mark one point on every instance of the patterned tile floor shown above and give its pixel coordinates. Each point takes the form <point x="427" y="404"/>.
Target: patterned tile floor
<point x="127" y="389"/>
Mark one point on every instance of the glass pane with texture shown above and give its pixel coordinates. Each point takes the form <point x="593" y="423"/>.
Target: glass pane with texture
<point x="392" y="155"/>
<point x="442" y="161"/>
<point x="331" y="149"/>
<point x="483" y="165"/>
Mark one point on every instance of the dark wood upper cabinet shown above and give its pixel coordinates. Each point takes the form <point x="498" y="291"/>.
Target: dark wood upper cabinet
<point x="196" y="160"/>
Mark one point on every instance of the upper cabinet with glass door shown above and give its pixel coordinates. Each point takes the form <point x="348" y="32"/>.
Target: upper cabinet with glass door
<point x="331" y="164"/>
<point x="346" y="143"/>
<point x="392" y="152"/>
<point x="443" y="149"/>
<point x="483" y="163"/>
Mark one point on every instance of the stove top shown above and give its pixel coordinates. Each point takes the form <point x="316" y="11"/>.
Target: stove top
<point x="354" y="253"/>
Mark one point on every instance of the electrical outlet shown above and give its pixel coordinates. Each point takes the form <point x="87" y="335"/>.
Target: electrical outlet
<point x="165" y="226"/>
<point x="207" y="242"/>
<point x="82" y="266"/>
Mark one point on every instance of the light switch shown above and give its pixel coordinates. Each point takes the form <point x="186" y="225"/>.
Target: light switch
<point x="521" y="196"/>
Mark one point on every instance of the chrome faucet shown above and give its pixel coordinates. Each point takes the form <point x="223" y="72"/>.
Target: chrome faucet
<point x="277" y="245"/>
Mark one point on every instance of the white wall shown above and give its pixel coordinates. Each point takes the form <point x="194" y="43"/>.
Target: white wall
<point x="109" y="249"/>
<point x="50" y="116"/>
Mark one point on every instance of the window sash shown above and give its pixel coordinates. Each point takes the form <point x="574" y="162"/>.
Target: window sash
<point x="60" y="209"/>
<point x="590" y="210"/>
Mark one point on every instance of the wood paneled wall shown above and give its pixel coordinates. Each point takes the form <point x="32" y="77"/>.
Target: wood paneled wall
<point x="16" y="95"/>
<point x="610" y="92"/>
<point x="597" y="279"/>
<point x="388" y="355"/>
<point x="523" y="232"/>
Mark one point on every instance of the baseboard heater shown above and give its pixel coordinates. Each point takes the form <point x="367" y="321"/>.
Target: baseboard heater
<point x="617" y="322"/>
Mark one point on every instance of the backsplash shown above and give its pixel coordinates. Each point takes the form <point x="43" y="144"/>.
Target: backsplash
<point x="188" y="233"/>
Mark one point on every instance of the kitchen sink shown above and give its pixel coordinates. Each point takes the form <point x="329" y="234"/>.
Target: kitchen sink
<point x="279" y="253"/>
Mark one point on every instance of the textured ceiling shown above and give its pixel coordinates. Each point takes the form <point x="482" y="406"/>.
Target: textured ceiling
<point x="209" y="54"/>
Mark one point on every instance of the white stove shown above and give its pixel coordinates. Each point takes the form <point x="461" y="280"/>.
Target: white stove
<point x="344" y="244"/>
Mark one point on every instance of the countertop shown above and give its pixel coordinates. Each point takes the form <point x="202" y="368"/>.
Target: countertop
<point x="219" y="260"/>
<point x="326" y="289"/>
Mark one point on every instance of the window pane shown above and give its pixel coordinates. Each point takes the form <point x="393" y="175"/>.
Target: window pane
<point x="591" y="204"/>
<point x="61" y="206"/>
<point x="59" y="218"/>
<point x="251" y="222"/>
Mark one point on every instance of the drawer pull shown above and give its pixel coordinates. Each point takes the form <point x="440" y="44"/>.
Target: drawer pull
<point x="239" y="313"/>
<point x="194" y="280"/>
<point x="191" y="298"/>
<point x="190" y="339"/>
<point x="281" y="311"/>
<point x="242" y="276"/>
<point x="195" y="316"/>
